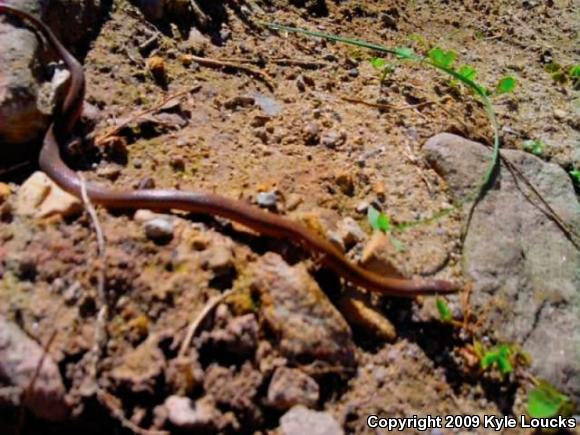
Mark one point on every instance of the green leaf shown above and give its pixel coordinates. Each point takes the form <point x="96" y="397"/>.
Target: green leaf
<point x="490" y="357"/>
<point x="398" y="245"/>
<point x="468" y="72"/>
<point x="536" y="147"/>
<point x="506" y="85"/>
<point x="441" y="57"/>
<point x="545" y="401"/>
<point x="405" y="52"/>
<point x="378" y="63"/>
<point x="574" y="71"/>
<point x="503" y="361"/>
<point x="378" y="220"/>
<point x="444" y="311"/>
<point x="575" y="173"/>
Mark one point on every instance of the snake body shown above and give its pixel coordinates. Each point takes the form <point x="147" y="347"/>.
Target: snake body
<point x="263" y="222"/>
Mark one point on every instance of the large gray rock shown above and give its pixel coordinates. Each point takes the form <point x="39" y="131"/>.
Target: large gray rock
<point x="26" y="98"/>
<point x="526" y="272"/>
<point x="300" y="420"/>
<point x="25" y="365"/>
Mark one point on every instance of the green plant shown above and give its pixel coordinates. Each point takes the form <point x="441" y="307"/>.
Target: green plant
<point x="546" y="401"/>
<point x="498" y="356"/>
<point x="381" y="222"/>
<point x="441" y="57"/>
<point x="442" y="60"/>
<point x="506" y="85"/>
<point x="444" y="312"/>
<point x="384" y="67"/>
<point x="534" y="146"/>
<point x="575" y="174"/>
<point x="378" y="220"/>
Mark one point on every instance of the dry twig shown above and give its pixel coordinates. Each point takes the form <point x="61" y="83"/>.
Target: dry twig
<point x="194" y="325"/>
<point x="214" y="63"/>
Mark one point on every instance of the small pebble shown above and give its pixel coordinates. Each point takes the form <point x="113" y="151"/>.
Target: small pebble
<point x="559" y="114"/>
<point x="239" y="101"/>
<point x="311" y="133"/>
<point x="353" y="72"/>
<point x="301" y="420"/>
<point x="159" y="229"/>
<point x="290" y="387"/>
<point x="109" y="171"/>
<point x="267" y="199"/>
<point x="333" y="139"/>
<point x="362" y="207"/>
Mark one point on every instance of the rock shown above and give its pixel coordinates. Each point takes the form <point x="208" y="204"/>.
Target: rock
<point x="267" y="199"/>
<point x="522" y="265"/>
<point x="140" y="369"/>
<point x="353" y="72"/>
<point x="159" y="229"/>
<point x="333" y="139"/>
<point x="290" y="387"/>
<point x="219" y="259"/>
<point x="184" y="374"/>
<point x="40" y="197"/>
<point x="300" y="420"/>
<point x="311" y="133"/>
<point x="350" y="232"/>
<point x="22" y="120"/>
<point x="26" y="101"/>
<point x="109" y="171"/>
<point x="239" y="101"/>
<point x="237" y="390"/>
<point x="307" y="325"/>
<point x="197" y="42"/>
<point x="184" y="414"/>
<point x="377" y="253"/>
<point x="239" y="337"/>
<point x="20" y="360"/>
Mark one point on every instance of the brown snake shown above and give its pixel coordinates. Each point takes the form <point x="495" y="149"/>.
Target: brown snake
<point x="197" y="202"/>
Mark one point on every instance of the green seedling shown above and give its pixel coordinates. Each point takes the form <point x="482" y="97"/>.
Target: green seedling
<point x="575" y="174"/>
<point x="546" y="401"/>
<point x="384" y="67"/>
<point x="445" y="314"/>
<point x="441" y="57"/>
<point x="534" y="146"/>
<point x="442" y="60"/>
<point x="574" y="74"/>
<point x="381" y="222"/>
<point x="574" y="71"/>
<point x="378" y="220"/>
<point x="498" y="356"/>
<point x="506" y="85"/>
